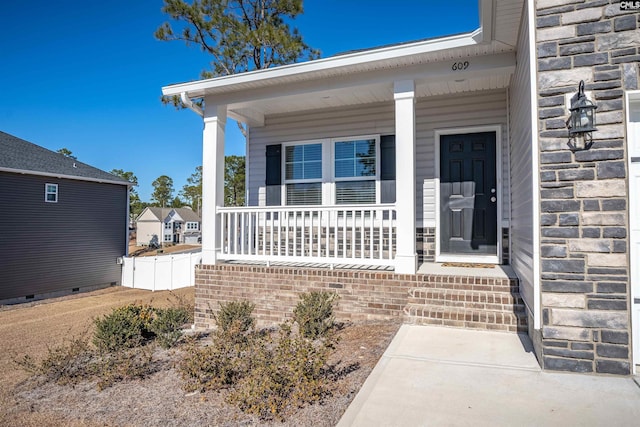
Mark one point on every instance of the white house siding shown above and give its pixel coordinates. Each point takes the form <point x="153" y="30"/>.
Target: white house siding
<point x="463" y="110"/>
<point x="521" y="178"/>
<point x="147" y="225"/>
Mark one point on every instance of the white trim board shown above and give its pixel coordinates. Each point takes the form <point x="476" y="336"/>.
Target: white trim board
<point x="633" y="149"/>
<point x="493" y="259"/>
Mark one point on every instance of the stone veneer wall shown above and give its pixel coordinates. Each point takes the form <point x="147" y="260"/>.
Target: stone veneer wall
<point x="583" y="195"/>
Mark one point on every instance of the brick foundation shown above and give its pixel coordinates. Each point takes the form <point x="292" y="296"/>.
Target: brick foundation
<point x="364" y="295"/>
<point x="426" y="244"/>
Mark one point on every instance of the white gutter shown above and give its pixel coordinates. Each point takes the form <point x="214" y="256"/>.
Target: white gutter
<point x="190" y="105"/>
<point x="62" y="176"/>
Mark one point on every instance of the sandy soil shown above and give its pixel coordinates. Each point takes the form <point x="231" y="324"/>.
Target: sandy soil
<point x="158" y="399"/>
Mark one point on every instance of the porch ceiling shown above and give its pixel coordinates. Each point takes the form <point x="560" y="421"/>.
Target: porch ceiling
<point x="365" y="94"/>
<point x="484" y="72"/>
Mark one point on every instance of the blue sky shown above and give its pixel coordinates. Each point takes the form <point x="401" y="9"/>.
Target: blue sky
<point x="88" y="75"/>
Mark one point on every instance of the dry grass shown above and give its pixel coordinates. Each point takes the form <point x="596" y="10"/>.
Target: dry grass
<point x="159" y="399"/>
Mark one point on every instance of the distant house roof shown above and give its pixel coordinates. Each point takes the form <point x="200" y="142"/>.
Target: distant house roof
<point x="186" y="214"/>
<point x="20" y="156"/>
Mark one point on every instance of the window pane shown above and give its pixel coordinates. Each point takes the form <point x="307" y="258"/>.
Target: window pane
<point x="51" y="197"/>
<point x="355" y="158"/>
<point x="313" y="170"/>
<point x="366" y="148"/>
<point x="294" y="153"/>
<point x="344" y="150"/>
<point x="304" y="194"/>
<point x="303" y="161"/>
<point x="366" y="166"/>
<point x="355" y="192"/>
<point x="344" y="168"/>
<point x="294" y="171"/>
<point x="312" y="152"/>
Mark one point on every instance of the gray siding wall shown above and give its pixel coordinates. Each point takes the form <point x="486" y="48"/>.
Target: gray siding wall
<point x="473" y="109"/>
<point x="56" y="247"/>
<point x="521" y="178"/>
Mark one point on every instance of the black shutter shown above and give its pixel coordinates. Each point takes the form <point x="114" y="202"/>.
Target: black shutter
<point x="274" y="175"/>
<point x="387" y="157"/>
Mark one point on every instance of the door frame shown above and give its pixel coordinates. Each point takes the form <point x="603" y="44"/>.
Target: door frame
<point x="487" y="259"/>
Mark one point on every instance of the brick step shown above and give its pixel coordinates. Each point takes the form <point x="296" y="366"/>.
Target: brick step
<point x="470" y="318"/>
<point x="481" y="300"/>
<point x="461" y="283"/>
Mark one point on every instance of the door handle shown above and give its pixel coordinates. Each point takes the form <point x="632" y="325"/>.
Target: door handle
<point x="493" y="199"/>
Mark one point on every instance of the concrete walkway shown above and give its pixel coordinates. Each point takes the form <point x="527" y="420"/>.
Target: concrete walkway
<point x="435" y="376"/>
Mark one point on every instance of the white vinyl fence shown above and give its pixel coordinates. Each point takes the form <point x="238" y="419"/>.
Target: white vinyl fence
<point x="160" y="273"/>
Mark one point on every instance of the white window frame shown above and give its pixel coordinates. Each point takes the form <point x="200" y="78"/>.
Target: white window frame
<point x="328" y="180"/>
<point x="283" y="160"/>
<point x="375" y="177"/>
<point x="47" y="192"/>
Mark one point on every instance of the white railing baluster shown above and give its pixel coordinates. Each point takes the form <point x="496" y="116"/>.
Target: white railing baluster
<point x="318" y="234"/>
<point x="286" y="234"/>
<point x="295" y="233"/>
<point x="279" y="247"/>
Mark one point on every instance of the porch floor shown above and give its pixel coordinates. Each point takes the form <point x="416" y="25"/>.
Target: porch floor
<point x="497" y="271"/>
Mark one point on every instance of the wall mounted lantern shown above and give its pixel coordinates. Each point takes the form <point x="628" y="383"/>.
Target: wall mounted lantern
<point x="582" y="121"/>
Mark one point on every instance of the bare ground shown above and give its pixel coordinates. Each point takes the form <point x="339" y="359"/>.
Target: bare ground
<point x="158" y="399"/>
<point x="145" y="251"/>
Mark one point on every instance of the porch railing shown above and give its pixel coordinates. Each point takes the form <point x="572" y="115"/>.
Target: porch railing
<point x="358" y="234"/>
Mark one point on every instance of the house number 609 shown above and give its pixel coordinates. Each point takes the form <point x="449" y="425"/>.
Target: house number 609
<point x="459" y="66"/>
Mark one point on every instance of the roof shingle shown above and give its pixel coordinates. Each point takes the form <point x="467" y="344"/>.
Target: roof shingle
<point x="24" y="156"/>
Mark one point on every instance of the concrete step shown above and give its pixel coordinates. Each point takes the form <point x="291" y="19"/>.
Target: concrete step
<point x="471" y="318"/>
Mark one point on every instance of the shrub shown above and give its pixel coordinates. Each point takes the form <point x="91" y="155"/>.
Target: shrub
<point x="215" y="367"/>
<point x="286" y="374"/>
<point x="68" y="363"/>
<point x="124" y="327"/>
<point x="230" y="355"/>
<point x="167" y="325"/>
<point x="235" y="315"/>
<point x="183" y="303"/>
<point x="123" y="365"/>
<point x="75" y="361"/>
<point x="314" y="313"/>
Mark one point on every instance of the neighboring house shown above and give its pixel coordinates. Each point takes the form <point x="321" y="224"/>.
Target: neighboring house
<point x="66" y="223"/>
<point x="447" y="150"/>
<point x="167" y="225"/>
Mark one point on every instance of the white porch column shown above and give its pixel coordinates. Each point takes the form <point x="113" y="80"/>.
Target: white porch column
<point x="215" y="119"/>
<point x="406" y="257"/>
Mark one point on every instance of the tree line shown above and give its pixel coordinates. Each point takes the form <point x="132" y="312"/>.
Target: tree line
<point x="164" y="192"/>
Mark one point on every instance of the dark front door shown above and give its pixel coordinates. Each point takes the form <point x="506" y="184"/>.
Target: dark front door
<point x="468" y="194"/>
